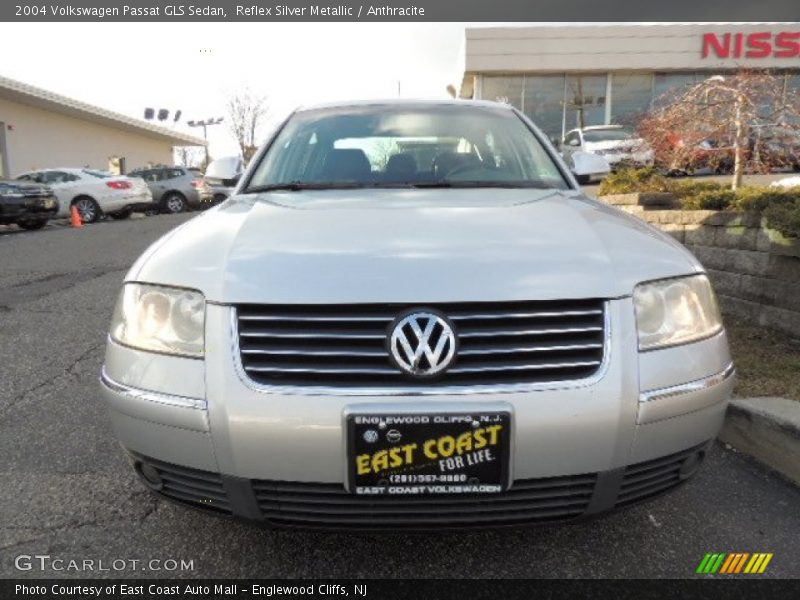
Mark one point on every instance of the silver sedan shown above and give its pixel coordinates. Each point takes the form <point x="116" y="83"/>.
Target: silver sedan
<point x="408" y="315"/>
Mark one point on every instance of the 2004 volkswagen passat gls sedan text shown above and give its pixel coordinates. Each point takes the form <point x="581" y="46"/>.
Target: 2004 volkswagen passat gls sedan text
<point x="408" y="315"/>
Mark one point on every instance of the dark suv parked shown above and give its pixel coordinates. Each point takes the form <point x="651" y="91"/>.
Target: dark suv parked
<point x="176" y="189"/>
<point x="28" y="205"/>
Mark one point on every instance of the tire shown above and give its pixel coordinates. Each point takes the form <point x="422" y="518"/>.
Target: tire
<point x="121" y="215"/>
<point x="174" y="203"/>
<point x="32" y="225"/>
<point x="88" y="209"/>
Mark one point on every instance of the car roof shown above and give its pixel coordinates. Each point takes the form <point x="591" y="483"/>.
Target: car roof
<point x="65" y="169"/>
<point x="601" y="127"/>
<point x="407" y="102"/>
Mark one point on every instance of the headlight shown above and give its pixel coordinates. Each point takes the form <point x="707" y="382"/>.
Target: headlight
<point x="675" y="311"/>
<point x="160" y="319"/>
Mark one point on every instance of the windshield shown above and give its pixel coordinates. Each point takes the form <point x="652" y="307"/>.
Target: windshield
<point x="406" y="146"/>
<point x="607" y="135"/>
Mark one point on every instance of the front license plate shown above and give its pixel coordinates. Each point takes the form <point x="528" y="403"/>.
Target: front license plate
<point x="419" y="454"/>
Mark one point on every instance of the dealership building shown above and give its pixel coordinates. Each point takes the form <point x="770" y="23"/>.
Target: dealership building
<point x="40" y="129"/>
<point x="564" y="77"/>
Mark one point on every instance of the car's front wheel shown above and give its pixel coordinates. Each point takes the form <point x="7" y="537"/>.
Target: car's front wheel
<point x="31" y="225"/>
<point x="87" y="209"/>
<point x="175" y="203"/>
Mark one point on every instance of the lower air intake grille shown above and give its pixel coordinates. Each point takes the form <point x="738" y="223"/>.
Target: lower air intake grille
<point x="346" y="345"/>
<point x="653" y="477"/>
<point x="329" y="505"/>
<point x="200" y="489"/>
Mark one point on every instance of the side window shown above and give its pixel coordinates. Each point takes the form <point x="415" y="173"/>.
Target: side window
<point x="55" y="177"/>
<point x="173" y="173"/>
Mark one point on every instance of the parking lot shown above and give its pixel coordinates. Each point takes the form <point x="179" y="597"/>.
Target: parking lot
<point x="67" y="491"/>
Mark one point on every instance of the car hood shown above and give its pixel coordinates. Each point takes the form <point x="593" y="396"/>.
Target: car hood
<point x="411" y="246"/>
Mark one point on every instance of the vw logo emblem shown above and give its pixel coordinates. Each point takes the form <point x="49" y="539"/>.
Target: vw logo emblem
<point x="422" y="343"/>
<point x="370" y="436"/>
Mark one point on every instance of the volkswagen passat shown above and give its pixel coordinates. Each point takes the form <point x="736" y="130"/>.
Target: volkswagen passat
<point x="408" y="315"/>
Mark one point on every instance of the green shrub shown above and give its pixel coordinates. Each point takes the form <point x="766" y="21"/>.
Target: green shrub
<point x="784" y="217"/>
<point x="759" y="198"/>
<point x="629" y="181"/>
<point x="780" y="206"/>
<point x="709" y="200"/>
<point x="691" y="187"/>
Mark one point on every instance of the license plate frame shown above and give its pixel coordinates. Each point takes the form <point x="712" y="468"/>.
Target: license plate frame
<point x="479" y="463"/>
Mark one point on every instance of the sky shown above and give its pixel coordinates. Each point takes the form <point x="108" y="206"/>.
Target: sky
<point x="196" y="67"/>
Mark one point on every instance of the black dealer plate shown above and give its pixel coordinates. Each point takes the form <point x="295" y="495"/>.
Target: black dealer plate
<point x="419" y="454"/>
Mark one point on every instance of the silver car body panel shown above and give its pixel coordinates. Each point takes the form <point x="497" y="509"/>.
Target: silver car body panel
<point x="414" y="247"/>
<point x="392" y="246"/>
<point x="561" y="430"/>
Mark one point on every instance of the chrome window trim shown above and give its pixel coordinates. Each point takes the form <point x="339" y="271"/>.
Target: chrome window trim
<point x="697" y="385"/>
<point x="150" y="396"/>
<point x="514" y="388"/>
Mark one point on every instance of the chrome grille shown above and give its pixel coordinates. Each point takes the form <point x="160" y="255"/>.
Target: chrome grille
<point x="329" y="505"/>
<point x="345" y="345"/>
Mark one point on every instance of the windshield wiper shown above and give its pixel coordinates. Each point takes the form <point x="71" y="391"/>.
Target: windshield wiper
<point x="294" y="186"/>
<point x="297" y="186"/>
<point x="482" y="184"/>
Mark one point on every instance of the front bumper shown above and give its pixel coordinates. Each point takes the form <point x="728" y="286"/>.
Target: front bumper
<point x="224" y="443"/>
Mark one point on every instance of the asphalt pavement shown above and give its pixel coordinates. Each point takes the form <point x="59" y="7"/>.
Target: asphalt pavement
<point x="67" y="492"/>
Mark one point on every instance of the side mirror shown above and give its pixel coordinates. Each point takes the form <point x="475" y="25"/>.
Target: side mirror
<point x="585" y="164"/>
<point x="574" y="142"/>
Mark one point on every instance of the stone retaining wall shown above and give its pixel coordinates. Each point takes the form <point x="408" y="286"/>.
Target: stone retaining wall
<point x="755" y="270"/>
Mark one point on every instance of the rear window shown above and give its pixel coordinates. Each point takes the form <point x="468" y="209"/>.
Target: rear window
<point x="607" y="135"/>
<point x="98" y="174"/>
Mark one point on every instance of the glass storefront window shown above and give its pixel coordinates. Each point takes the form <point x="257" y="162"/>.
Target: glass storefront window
<point x="667" y="85"/>
<point x="543" y="102"/>
<point x="503" y="88"/>
<point x="585" y="100"/>
<point x="631" y="96"/>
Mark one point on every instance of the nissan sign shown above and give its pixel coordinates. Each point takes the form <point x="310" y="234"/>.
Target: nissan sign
<point x="763" y="44"/>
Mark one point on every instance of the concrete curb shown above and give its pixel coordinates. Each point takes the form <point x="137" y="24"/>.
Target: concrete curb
<point x="767" y="429"/>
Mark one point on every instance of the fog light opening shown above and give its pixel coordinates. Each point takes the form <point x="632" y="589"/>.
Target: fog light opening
<point x="149" y="475"/>
<point x="691" y="464"/>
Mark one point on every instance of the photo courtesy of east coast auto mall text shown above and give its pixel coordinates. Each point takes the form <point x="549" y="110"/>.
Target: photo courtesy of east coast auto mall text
<point x="399" y="299"/>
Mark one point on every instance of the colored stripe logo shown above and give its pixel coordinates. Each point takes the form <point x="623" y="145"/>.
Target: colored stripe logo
<point x="734" y="563"/>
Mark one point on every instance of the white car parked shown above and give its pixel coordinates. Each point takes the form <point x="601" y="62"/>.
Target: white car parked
<point x="93" y="192"/>
<point x="615" y="143"/>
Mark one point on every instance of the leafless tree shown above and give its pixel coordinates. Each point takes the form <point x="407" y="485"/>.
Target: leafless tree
<point x="189" y="156"/>
<point x="745" y="122"/>
<point x="246" y="113"/>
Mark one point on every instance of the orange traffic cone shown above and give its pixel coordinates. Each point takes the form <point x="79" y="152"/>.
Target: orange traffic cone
<point x="75" y="217"/>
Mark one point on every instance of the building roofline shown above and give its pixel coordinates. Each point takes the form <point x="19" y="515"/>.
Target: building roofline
<point x="17" y="91"/>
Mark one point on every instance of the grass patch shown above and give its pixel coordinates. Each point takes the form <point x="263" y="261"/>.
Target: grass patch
<point x="767" y="361"/>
